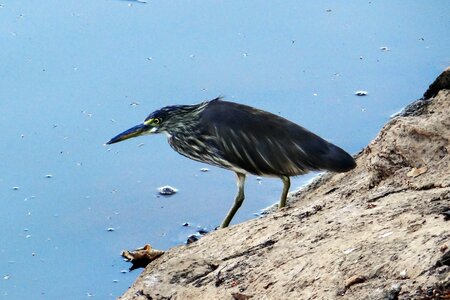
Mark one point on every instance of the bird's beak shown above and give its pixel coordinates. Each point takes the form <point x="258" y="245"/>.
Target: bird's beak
<point x="130" y="133"/>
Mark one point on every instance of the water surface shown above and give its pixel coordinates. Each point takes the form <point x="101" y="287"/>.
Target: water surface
<point x="75" y="73"/>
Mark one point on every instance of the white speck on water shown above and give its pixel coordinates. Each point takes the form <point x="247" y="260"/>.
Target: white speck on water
<point x="15" y="188"/>
<point x="115" y="281"/>
<point x="6" y="277"/>
<point x="204" y="170"/>
<point x="167" y="190"/>
<point x="110" y="229"/>
<point x="123" y="271"/>
<point x="361" y="93"/>
<point x="315" y="94"/>
<point x="141" y="144"/>
<point x="48" y="176"/>
<point x="28" y="236"/>
<point x="384" y="48"/>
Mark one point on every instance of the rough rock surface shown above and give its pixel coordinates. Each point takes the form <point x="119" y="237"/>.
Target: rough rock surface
<point x="380" y="231"/>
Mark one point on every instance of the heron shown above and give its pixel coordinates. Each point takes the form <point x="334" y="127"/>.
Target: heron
<point x="243" y="139"/>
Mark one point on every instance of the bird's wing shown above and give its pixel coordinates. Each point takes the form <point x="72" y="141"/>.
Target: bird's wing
<point x="263" y="143"/>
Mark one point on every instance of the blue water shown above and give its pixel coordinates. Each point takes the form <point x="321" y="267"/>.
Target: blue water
<point x="74" y="73"/>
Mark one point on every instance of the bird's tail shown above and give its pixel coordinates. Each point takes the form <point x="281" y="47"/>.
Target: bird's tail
<point x="337" y="160"/>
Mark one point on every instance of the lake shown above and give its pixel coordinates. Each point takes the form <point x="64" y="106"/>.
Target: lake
<point x="75" y="73"/>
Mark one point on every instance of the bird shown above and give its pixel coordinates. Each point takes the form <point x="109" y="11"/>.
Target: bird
<point x="242" y="139"/>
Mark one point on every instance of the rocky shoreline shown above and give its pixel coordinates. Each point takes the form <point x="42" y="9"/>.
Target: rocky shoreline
<point x="380" y="231"/>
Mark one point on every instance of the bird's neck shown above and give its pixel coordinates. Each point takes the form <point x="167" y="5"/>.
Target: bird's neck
<point x="185" y="121"/>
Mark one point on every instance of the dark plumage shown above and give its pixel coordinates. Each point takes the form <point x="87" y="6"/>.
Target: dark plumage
<point x="243" y="139"/>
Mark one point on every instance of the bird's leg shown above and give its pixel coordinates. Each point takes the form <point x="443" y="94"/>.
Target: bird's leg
<point x="286" y="186"/>
<point x="237" y="202"/>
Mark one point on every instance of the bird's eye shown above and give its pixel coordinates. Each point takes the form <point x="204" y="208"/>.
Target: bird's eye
<point x="156" y="121"/>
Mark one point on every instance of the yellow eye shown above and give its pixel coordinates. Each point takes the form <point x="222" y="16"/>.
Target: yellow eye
<point x="156" y="121"/>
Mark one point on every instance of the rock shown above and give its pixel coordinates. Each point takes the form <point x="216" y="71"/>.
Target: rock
<point x="302" y="252"/>
<point x="192" y="238"/>
<point x="414" y="172"/>
<point x="355" y="279"/>
<point x="441" y="83"/>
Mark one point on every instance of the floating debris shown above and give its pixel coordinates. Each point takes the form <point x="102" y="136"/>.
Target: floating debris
<point x="385" y="48"/>
<point x="123" y="271"/>
<point x="6" y="277"/>
<point x="134" y="103"/>
<point x="204" y="170"/>
<point x="141" y="257"/>
<point x="110" y="229"/>
<point x="48" y="176"/>
<point x="192" y="238"/>
<point x="202" y="231"/>
<point x="185" y="224"/>
<point x="167" y="190"/>
<point x="361" y="93"/>
<point x="196" y="236"/>
<point x="15" y="188"/>
<point x="414" y="172"/>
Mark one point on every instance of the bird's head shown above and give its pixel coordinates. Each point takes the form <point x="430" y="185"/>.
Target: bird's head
<point x="167" y="119"/>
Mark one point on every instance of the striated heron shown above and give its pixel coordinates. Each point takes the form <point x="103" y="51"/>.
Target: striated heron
<point x="243" y="139"/>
